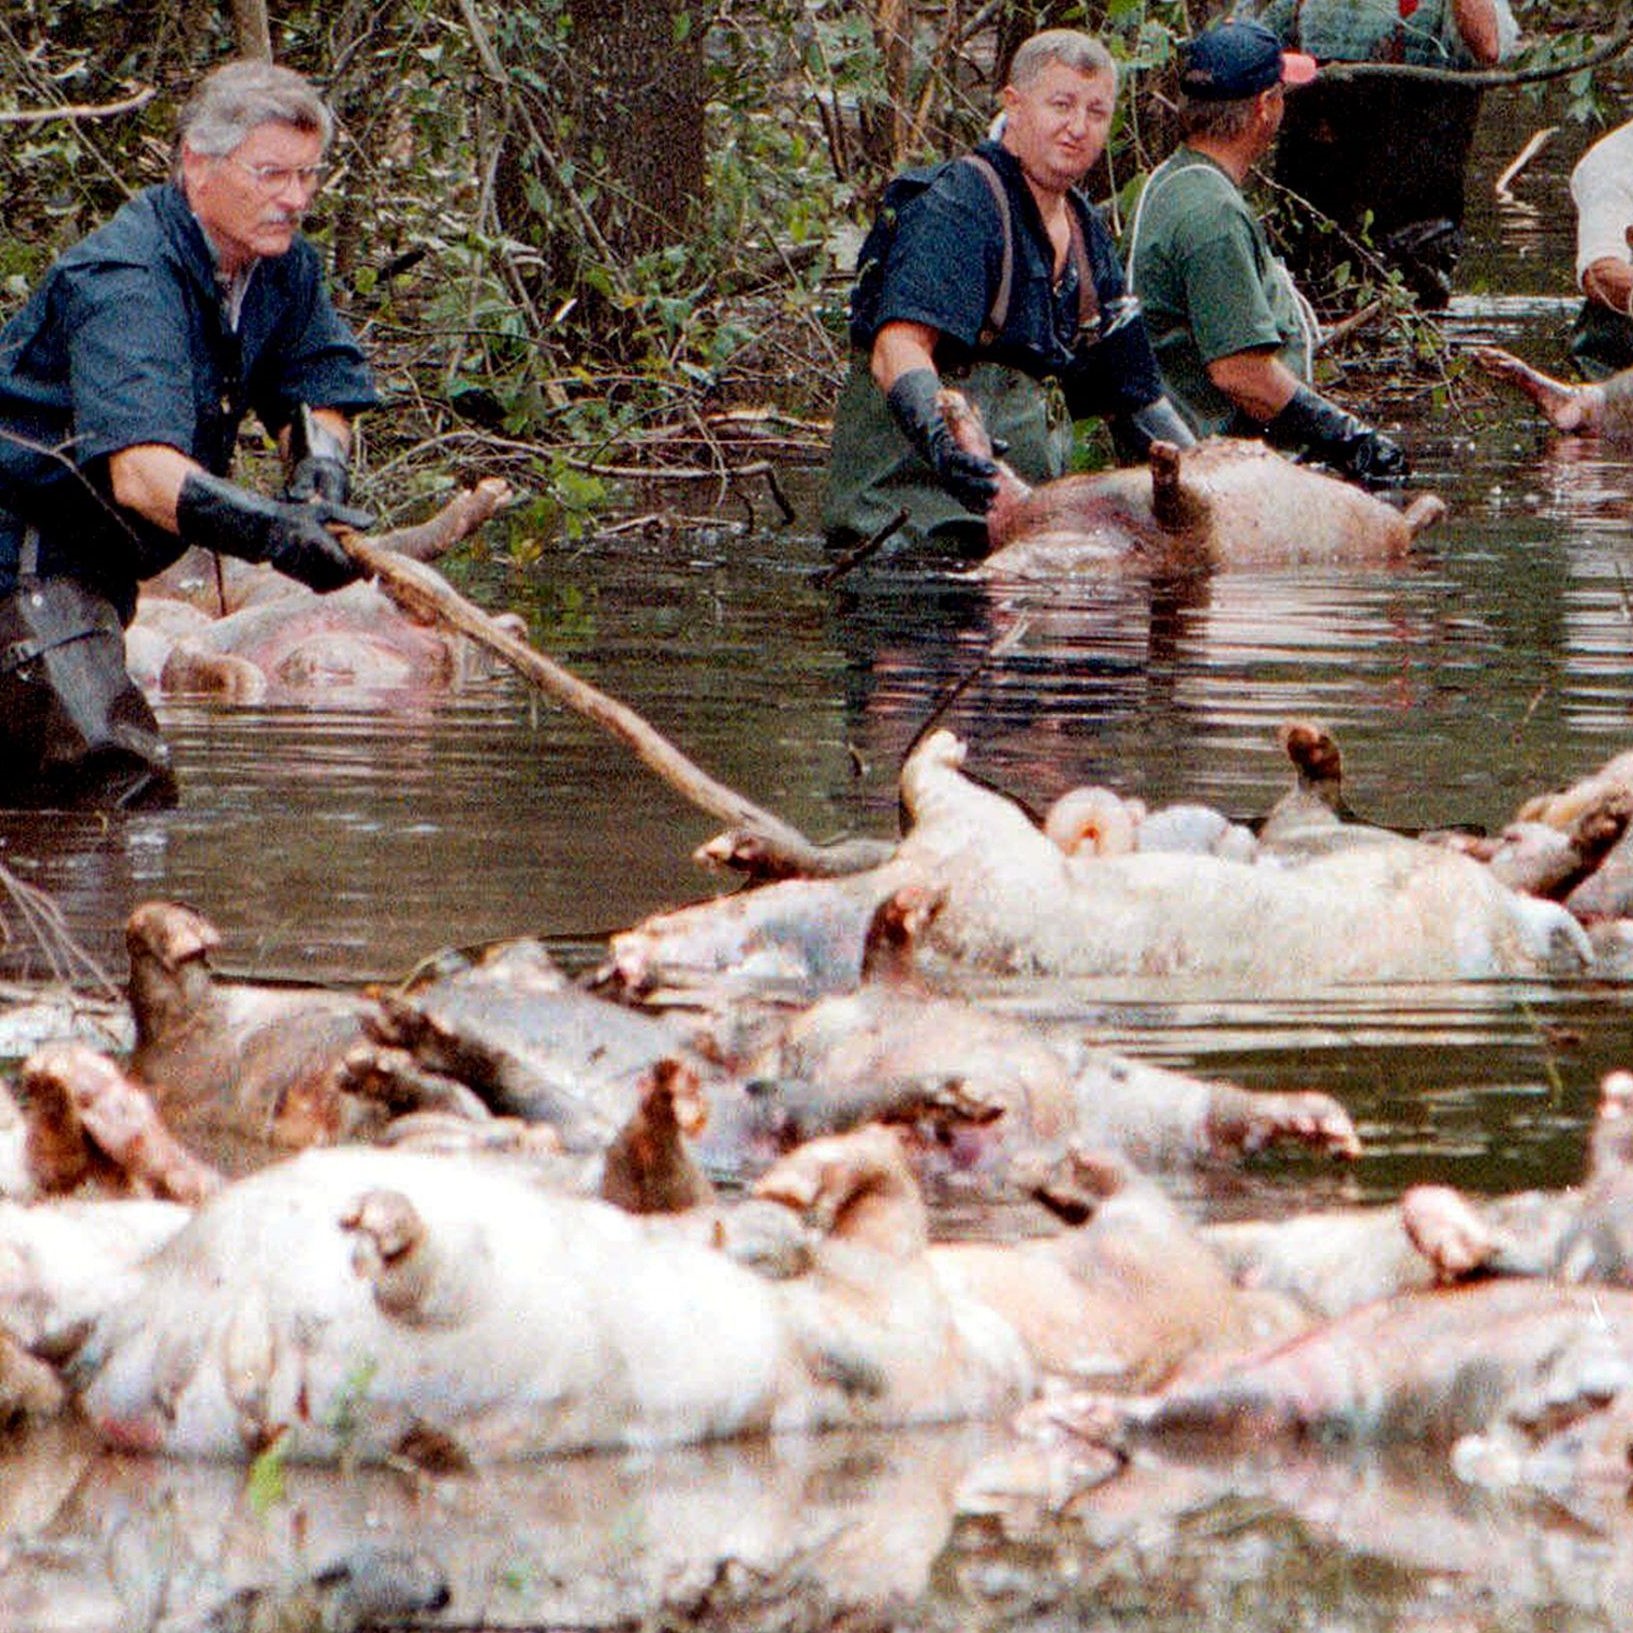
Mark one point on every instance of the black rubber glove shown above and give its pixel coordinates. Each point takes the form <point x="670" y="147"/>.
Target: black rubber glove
<point x="291" y="536"/>
<point x="1338" y="440"/>
<point x="318" y="461"/>
<point x="1158" y="421"/>
<point x="970" y="479"/>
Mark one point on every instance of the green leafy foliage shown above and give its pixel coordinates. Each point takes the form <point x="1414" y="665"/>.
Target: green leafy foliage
<point x="542" y="301"/>
<point x="267" y="1486"/>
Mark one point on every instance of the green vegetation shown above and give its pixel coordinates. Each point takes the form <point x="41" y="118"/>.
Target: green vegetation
<point x="589" y="239"/>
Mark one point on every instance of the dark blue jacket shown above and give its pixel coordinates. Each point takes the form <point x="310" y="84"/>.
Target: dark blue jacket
<point x="943" y="267"/>
<point x="126" y="342"/>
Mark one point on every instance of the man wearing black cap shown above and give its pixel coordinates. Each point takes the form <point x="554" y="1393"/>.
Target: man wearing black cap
<point x="1233" y="337"/>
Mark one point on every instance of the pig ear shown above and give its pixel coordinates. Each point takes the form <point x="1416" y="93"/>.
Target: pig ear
<point x="897" y="926"/>
<point x="927" y="764"/>
<point x="823" y="1177"/>
<point x="679" y="1082"/>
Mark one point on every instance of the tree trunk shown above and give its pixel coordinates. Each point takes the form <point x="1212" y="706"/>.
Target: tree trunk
<point x="638" y="114"/>
<point x="252" y="29"/>
<point x="1021" y="19"/>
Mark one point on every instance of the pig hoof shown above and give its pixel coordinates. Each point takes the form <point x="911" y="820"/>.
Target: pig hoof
<point x="1564" y="406"/>
<point x="1262" y="1120"/>
<point x="1313" y="751"/>
<point x="387" y="1227"/>
<point x="1446" y="1231"/>
<point x="29" y="1388"/>
<point x="1616" y="1095"/>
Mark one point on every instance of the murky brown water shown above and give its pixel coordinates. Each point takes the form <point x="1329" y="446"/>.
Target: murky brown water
<point x="342" y="845"/>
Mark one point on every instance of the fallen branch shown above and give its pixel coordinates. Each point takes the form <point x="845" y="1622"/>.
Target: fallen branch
<point x="44" y="923"/>
<point x="1614" y="45"/>
<point x="424" y="594"/>
<point x="1340" y="332"/>
<point x="76" y="110"/>
<point x="724" y="474"/>
<point x="826" y="577"/>
<point x="1538" y="142"/>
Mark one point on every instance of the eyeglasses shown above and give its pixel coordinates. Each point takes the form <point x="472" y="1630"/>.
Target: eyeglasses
<point x="276" y="178"/>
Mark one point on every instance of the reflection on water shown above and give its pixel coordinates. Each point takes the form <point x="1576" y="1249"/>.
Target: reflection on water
<point x="344" y="844"/>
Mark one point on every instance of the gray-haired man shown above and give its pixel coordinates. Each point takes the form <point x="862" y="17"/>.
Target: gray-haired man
<point x="123" y="383"/>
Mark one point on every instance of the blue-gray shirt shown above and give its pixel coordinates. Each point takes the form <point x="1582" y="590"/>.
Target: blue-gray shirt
<point x="126" y="341"/>
<point x="942" y="267"/>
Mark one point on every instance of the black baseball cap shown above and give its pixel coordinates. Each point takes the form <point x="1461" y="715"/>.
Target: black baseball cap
<point x="1238" y="58"/>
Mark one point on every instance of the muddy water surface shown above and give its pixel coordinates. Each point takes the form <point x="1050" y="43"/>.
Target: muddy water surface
<point x="348" y="844"/>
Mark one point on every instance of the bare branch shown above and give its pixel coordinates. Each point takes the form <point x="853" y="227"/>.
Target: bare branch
<point x="1612" y="46"/>
<point x="77" y="110"/>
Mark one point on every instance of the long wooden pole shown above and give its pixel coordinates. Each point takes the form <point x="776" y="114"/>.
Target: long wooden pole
<point x="423" y="593"/>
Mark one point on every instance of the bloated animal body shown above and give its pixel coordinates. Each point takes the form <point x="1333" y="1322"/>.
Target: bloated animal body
<point x="1225" y="503"/>
<point x="1011" y="902"/>
<point x="1428" y="1368"/>
<point x="376" y="1302"/>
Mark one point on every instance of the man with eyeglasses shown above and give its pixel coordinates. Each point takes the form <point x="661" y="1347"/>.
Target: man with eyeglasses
<point x="123" y="383"/>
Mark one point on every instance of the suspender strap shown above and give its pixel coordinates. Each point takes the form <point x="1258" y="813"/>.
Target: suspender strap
<point x="18" y="654"/>
<point x="998" y="316"/>
<point x="1088" y="300"/>
<point x="45" y="620"/>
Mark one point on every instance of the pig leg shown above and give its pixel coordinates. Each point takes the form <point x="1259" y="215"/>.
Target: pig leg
<point x="1446" y="1230"/>
<point x="1242" y="1121"/>
<point x="190" y="670"/>
<point x="1564" y="406"/>
<point x="122" y="1122"/>
<point x="1168" y="501"/>
<point x="395" y="1079"/>
<point x="857" y="1186"/>
<point x="1316" y="798"/>
<point x="419" y="1277"/>
<point x="56" y="1155"/>
<point x="1607" y="891"/>
<point x="1610" y="1148"/>
<point x="86" y="1117"/>
<point x="29" y="1388"/>
<point x="169" y="947"/>
<point x="1315" y="756"/>
<point x="648" y="1167"/>
<point x="1424" y="511"/>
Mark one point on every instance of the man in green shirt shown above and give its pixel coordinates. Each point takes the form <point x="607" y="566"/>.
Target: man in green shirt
<point x="1233" y="337"/>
